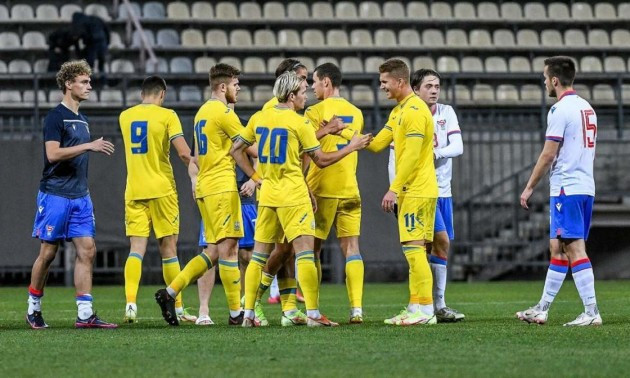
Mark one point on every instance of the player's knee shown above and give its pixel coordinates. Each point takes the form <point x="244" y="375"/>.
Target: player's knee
<point x="349" y="246"/>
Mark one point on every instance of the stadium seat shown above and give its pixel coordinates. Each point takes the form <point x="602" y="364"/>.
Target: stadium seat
<point x="394" y="10"/>
<point x="136" y="40"/>
<point x="322" y="10"/>
<point x="240" y="38"/>
<point x="447" y="64"/>
<point x="153" y="10"/>
<point x="590" y="64"/>
<point x="558" y="11"/>
<point x="603" y="93"/>
<point x="598" y="38"/>
<point x="605" y="11"/>
<point x="216" y="38"/>
<point x="583" y="91"/>
<point x="161" y="66"/>
<point x="519" y="64"/>
<point x="181" y="64"/>
<point x="171" y="97"/>
<point x="480" y="38"/>
<point x="511" y="11"/>
<point x="262" y="93"/>
<point x="123" y="12"/>
<point x="98" y="10"/>
<point x="372" y="63"/>
<point x="121" y="66"/>
<point x="313" y="38"/>
<point x="503" y="38"/>
<point x="581" y="11"/>
<point x="46" y="12"/>
<point x="245" y="95"/>
<point x="441" y="10"/>
<point x="362" y="94"/>
<point x="361" y="38"/>
<point x="370" y="10"/>
<point x="21" y="12"/>
<point x="168" y="38"/>
<point x="625" y="93"/>
<point x="337" y="38"/>
<point x="351" y="64"/>
<point x="10" y="96"/>
<point x="190" y="93"/>
<point x="423" y="62"/>
<point x="487" y="11"/>
<point x="115" y="42"/>
<point x="574" y="38"/>
<point x="462" y="93"/>
<point x="111" y="97"/>
<point x="203" y="64"/>
<point x="29" y="96"/>
<point x="177" y="10"/>
<point x="620" y="37"/>
<point x="471" y="64"/>
<point x="134" y="96"/>
<point x="417" y="10"/>
<point x="551" y="38"/>
<point x="507" y="93"/>
<point x="20" y="66"/>
<point x="535" y="11"/>
<point x="456" y="38"/>
<point x="483" y="92"/>
<point x="192" y="38"/>
<point x="34" y="40"/>
<point x="464" y="11"/>
<point x="274" y="10"/>
<point x="297" y="11"/>
<point x="288" y="38"/>
<point x="250" y="11"/>
<point x="527" y="38"/>
<point x="614" y="64"/>
<point x="4" y="12"/>
<point x="254" y="64"/>
<point x="201" y="10"/>
<point x="623" y="11"/>
<point x="326" y="59"/>
<point x="385" y="37"/>
<point x="409" y="38"/>
<point x="346" y="9"/>
<point x="538" y="64"/>
<point x="273" y="62"/>
<point x="232" y="61"/>
<point x="306" y="60"/>
<point x="9" y="40"/>
<point x="55" y="96"/>
<point x="3" y="67"/>
<point x="432" y="37"/>
<point x="226" y="11"/>
<point x="496" y="64"/>
<point x="40" y="66"/>
<point x="264" y="38"/>
<point x="531" y="94"/>
<point x="67" y="10"/>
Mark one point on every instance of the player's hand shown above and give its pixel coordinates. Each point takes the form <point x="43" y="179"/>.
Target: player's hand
<point x="194" y="185"/>
<point x="258" y="183"/>
<point x="389" y="200"/>
<point x="525" y="197"/>
<point x="248" y="188"/>
<point x="334" y="126"/>
<point x="313" y="200"/>
<point x="359" y="142"/>
<point x="102" y="146"/>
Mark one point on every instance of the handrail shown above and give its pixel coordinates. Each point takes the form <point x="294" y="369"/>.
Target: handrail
<point x="143" y="38"/>
<point x="485" y="190"/>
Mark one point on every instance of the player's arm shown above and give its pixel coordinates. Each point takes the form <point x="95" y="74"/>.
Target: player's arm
<point x="548" y="154"/>
<point x="382" y="140"/>
<point x="334" y="126"/>
<point x="249" y="187"/>
<point x="454" y="148"/>
<point x="240" y="157"/>
<point x="55" y="153"/>
<point x="324" y="159"/>
<point x="193" y="172"/>
<point x="183" y="151"/>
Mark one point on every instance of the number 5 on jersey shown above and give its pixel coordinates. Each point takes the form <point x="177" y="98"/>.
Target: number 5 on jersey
<point x="589" y="130"/>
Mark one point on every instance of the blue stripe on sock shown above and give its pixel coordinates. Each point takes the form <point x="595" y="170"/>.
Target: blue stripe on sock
<point x="437" y="260"/>
<point x="206" y="259"/>
<point x="259" y="261"/>
<point x="411" y="248"/>
<point x="170" y="260"/>
<point x="229" y="263"/>
<point x="260" y="256"/>
<point x="136" y="255"/>
<point x="84" y="297"/>
<point x="559" y="268"/>
<point x="577" y="268"/>
<point x="304" y="253"/>
<point x="291" y="290"/>
<point x="353" y="258"/>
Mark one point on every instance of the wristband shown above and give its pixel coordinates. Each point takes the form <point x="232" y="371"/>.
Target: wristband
<point x="255" y="176"/>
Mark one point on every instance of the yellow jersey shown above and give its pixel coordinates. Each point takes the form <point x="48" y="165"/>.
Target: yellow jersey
<point x="340" y="179"/>
<point x="216" y="126"/>
<point x="271" y="103"/>
<point x="282" y="136"/>
<point x="147" y="130"/>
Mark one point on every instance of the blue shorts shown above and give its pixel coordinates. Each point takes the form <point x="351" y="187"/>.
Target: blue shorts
<point x="570" y="216"/>
<point x="444" y="217"/>
<point x="249" y="224"/>
<point x="59" y="218"/>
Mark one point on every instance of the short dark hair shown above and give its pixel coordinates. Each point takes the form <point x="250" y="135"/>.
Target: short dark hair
<point x="289" y="64"/>
<point x="222" y="73"/>
<point x="418" y="76"/>
<point x="330" y="71"/>
<point x="561" y="67"/>
<point x="152" y="85"/>
<point x="395" y="67"/>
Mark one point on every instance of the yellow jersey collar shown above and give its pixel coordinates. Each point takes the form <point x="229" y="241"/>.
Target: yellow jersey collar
<point x="404" y="100"/>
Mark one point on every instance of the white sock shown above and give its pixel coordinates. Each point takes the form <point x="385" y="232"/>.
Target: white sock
<point x="84" y="306"/>
<point x="585" y="283"/>
<point x="34" y="304"/>
<point x="171" y="292"/>
<point x="235" y="313"/>
<point x="413" y="307"/>
<point x="428" y="309"/>
<point x="553" y="282"/>
<point x="356" y="311"/>
<point x="249" y="314"/>
<point x="274" y="291"/>
<point x="438" y="268"/>
<point x="290" y="312"/>
<point x="179" y="310"/>
<point x="313" y="314"/>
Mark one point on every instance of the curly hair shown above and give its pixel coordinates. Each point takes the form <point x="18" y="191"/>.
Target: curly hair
<point x="70" y="70"/>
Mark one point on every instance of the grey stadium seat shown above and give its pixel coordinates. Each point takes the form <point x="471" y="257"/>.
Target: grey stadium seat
<point x="487" y="11"/>
<point x="67" y="10"/>
<point x="574" y="38"/>
<point x="496" y="64"/>
<point x="361" y="38"/>
<point x="531" y="93"/>
<point x="307" y="61"/>
<point x="289" y="38"/>
<point x="456" y="38"/>
<point x="417" y="10"/>
<point x="614" y="64"/>
<point x="590" y="64"/>
<point x="216" y="38"/>
<point x="226" y="11"/>
<point x="171" y="97"/>
<point x="203" y="64"/>
<point x="385" y="37"/>
<point x="115" y="42"/>
<point x="264" y="38"/>
<point x="192" y="38"/>
<point x="168" y="38"/>
<point x="181" y="64"/>
<point x="160" y="67"/>
<point x="34" y="40"/>
<point x="432" y="37"/>
<point x="464" y="10"/>
<point x="110" y="97"/>
<point x="558" y="11"/>
<point x="240" y="38"/>
<point x="362" y="94"/>
<point x="10" y="97"/>
<point x="337" y="38"/>
<point x="3" y="67"/>
<point x="177" y="10"/>
<point x="409" y="37"/>
<point x="620" y="37"/>
<point x="326" y="59"/>
<point x="99" y="10"/>
<point x="483" y="92"/>
<point x="393" y="9"/>
<point x="441" y="10"/>
<point x="245" y="95"/>
<point x="346" y="9"/>
<point x="370" y="10"/>
<point x="29" y="96"/>
<point x="519" y="64"/>
<point x="581" y="11"/>
<point x="603" y="93"/>
<point x="403" y="58"/>
<point x="372" y="63"/>
<point x="121" y="66"/>
<point x="55" y="96"/>
<point x="551" y="38"/>
<point x="322" y="10"/>
<point x="313" y="38"/>
<point x="134" y="96"/>
<point x="503" y="38"/>
<point x="583" y="91"/>
<point x="527" y="37"/>
<point x="4" y="13"/>
<point x="462" y="93"/>
<point x="153" y="10"/>
<point x="273" y="62"/>
<point x="480" y="38"/>
<point x="250" y="11"/>
<point x="123" y="12"/>
<point x="201" y="10"/>
<point x="538" y="64"/>
<point x="471" y="64"/>
<point x="19" y="66"/>
<point x="262" y="93"/>
<point x="232" y="61"/>
<point x="511" y="11"/>
<point x="351" y="64"/>
<point x="507" y="93"/>
<point x="274" y="10"/>
<point x="297" y="10"/>
<point x="423" y="62"/>
<point x="22" y="12"/>
<point x="625" y="93"/>
<point x="46" y="12"/>
<point x="598" y="38"/>
<point x="136" y="40"/>
<point x="40" y="66"/>
<point x="447" y="64"/>
<point x="254" y="64"/>
<point x="189" y="93"/>
<point x="623" y="11"/>
<point x="535" y="11"/>
<point x="605" y="11"/>
<point x="9" y="40"/>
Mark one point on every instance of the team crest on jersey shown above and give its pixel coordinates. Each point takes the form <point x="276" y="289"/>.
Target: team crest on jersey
<point x="442" y="123"/>
<point x="558" y="206"/>
<point x="237" y="226"/>
<point x="313" y="224"/>
<point x="49" y="229"/>
<point x="40" y="209"/>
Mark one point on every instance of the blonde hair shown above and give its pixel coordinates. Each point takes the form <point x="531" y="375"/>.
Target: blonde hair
<point x="70" y="70"/>
<point x="287" y="83"/>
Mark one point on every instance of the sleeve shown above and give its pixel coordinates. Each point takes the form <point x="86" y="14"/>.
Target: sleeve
<point x="455" y="145"/>
<point x="382" y="140"/>
<point x="248" y="134"/>
<point x="408" y="162"/>
<point x="231" y="125"/>
<point x="452" y="123"/>
<point x="53" y="127"/>
<point x="555" y="125"/>
<point x="312" y="115"/>
<point x="306" y="135"/>
<point x="174" y="127"/>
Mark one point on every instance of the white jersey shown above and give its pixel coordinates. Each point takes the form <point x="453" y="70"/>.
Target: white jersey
<point x="572" y="122"/>
<point x="445" y="124"/>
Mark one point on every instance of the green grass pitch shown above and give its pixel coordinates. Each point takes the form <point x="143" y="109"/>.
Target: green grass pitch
<point x="489" y="343"/>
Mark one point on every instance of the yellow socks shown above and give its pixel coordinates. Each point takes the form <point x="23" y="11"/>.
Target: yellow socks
<point x="170" y="270"/>
<point x="133" y="272"/>
<point x="354" y="280"/>
<point x="420" y="277"/>
<point x="318" y="266"/>
<point x="307" y="276"/>
<point x="288" y="290"/>
<point x="265" y="282"/>
<point x="231" y="280"/>
<point x="193" y="270"/>
<point x="253" y="277"/>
